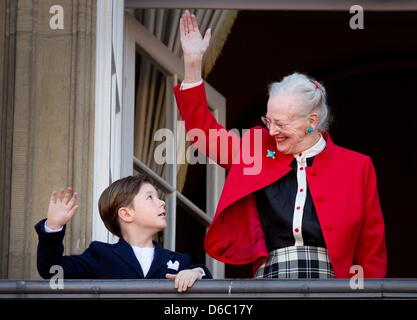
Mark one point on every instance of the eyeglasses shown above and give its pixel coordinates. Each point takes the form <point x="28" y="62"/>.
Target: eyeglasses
<point x="269" y="123"/>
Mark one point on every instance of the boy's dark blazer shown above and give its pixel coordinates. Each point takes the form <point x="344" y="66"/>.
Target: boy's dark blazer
<point x="105" y="261"/>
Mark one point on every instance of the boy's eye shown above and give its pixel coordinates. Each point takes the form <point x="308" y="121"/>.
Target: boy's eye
<point x="149" y="197"/>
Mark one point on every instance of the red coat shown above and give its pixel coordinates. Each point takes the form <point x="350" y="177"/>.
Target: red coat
<point x="342" y="185"/>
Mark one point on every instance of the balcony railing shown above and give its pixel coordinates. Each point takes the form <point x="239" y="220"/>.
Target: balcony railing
<point x="232" y="289"/>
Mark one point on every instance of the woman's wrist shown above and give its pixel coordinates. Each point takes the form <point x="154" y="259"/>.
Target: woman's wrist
<point x="193" y="57"/>
<point x="192" y="70"/>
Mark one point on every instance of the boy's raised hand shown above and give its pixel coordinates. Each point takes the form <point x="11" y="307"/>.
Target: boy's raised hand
<point x="61" y="208"/>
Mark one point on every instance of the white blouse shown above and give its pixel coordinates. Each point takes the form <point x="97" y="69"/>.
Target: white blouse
<point x="301" y="196"/>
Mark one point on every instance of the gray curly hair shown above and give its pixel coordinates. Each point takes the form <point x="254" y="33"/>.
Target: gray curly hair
<point x="311" y="93"/>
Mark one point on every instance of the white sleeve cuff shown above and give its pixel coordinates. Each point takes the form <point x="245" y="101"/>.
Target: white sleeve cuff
<point x="51" y="230"/>
<point x="201" y="271"/>
<point x="188" y="85"/>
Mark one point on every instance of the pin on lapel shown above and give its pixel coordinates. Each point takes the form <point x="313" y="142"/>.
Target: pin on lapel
<point x="270" y="154"/>
<point x="173" y="265"/>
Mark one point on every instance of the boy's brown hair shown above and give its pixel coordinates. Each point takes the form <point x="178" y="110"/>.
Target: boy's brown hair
<point x="117" y="195"/>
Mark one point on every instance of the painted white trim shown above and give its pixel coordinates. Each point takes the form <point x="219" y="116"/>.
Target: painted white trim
<point x="117" y="41"/>
<point x="171" y="169"/>
<point x="128" y="94"/>
<point x="115" y="131"/>
<point x="108" y="123"/>
<point x="215" y="177"/>
<point x="327" y="5"/>
<point x="137" y="37"/>
<point x="101" y="166"/>
<point x="117" y="124"/>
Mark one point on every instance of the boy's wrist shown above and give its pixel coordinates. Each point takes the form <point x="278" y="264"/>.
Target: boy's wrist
<point x="51" y="226"/>
<point x="200" y="272"/>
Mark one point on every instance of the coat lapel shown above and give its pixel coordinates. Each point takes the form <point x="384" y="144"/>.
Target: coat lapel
<point x="125" y="251"/>
<point x="272" y="170"/>
<point x="161" y="257"/>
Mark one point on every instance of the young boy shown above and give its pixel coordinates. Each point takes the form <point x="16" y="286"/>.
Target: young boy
<point x="131" y="209"/>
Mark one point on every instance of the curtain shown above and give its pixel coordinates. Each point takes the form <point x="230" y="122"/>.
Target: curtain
<point x="150" y="94"/>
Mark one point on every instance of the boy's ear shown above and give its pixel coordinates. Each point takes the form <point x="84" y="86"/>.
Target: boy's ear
<point x="125" y="214"/>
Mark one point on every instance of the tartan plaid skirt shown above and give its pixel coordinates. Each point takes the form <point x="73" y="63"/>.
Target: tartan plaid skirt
<point x="297" y="262"/>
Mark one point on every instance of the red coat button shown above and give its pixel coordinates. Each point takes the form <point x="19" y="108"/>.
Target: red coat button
<point x="296" y="229"/>
<point x="301" y="190"/>
<point x="298" y="208"/>
<point x="302" y="168"/>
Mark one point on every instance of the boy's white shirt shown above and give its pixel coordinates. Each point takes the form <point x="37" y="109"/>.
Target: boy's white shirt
<point x="51" y="230"/>
<point x="144" y="255"/>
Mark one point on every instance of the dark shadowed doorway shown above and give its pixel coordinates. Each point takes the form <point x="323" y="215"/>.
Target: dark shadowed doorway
<point x="371" y="80"/>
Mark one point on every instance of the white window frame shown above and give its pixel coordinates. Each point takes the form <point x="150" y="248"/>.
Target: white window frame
<point x="138" y="38"/>
<point x="111" y="147"/>
<point x="119" y="35"/>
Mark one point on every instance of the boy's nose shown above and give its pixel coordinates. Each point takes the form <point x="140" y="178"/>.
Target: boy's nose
<point x="163" y="204"/>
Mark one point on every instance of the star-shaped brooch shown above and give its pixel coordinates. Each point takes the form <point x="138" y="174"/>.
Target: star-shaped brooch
<point x="270" y="154"/>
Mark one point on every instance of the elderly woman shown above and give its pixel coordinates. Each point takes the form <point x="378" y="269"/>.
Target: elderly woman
<point x="313" y="210"/>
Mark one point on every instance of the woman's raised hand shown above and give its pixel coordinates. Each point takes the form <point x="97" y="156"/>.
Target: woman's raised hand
<point x="193" y="44"/>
